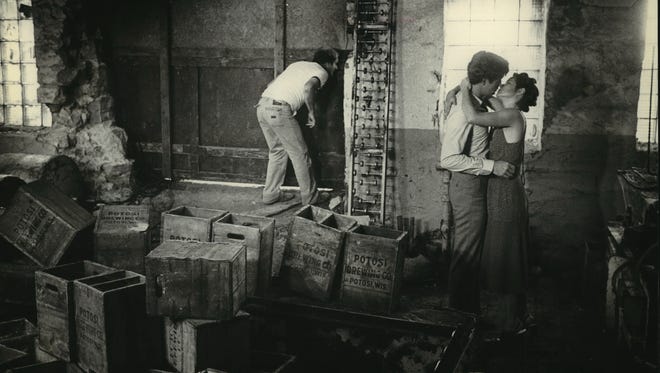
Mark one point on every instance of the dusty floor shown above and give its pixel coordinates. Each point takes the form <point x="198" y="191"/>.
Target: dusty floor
<point x="569" y="337"/>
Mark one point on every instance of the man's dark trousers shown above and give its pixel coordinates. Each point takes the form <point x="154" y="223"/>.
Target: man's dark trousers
<point x="467" y="195"/>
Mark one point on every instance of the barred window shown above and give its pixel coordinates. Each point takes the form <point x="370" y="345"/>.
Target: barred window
<point x="18" y="68"/>
<point x="514" y="29"/>
<point x="647" y="108"/>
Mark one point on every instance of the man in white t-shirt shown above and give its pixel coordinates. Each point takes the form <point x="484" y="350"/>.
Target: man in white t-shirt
<point x="296" y="86"/>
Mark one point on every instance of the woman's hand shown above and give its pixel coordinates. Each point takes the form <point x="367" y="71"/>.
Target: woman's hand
<point x="450" y="101"/>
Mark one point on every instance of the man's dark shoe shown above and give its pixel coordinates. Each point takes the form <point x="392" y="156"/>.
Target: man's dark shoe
<point x="321" y="198"/>
<point x="284" y="196"/>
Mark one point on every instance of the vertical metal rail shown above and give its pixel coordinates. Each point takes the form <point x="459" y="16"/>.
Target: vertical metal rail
<point x="386" y="126"/>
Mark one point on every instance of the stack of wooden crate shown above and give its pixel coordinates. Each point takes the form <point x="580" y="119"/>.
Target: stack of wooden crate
<point x="313" y="251"/>
<point x="257" y="233"/>
<point x="198" y="286"/>
<point x="123" y="236"/>
<point x="43" y="223"/>
<point x="369" y="260"/>
<point x="92" y="316"/>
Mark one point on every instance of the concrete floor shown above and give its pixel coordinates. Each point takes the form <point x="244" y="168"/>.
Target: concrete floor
<point x="570" y="336"/>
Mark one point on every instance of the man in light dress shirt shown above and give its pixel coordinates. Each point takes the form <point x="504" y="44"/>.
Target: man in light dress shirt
<point x="296" y="86"/>
<point x="464" y="150"/>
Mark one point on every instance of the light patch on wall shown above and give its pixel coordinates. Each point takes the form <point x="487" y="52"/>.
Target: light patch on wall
<point x="647" y="108"/>
<point x="514" y="29"/>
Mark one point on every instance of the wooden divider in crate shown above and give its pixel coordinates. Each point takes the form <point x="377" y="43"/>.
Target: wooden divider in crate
<point x="373" y="268"/>
<point x="110" y="321"/>
<point x="19" y="334"/>
<point x="11" y="357"/>
<point x="257" y="233"/>
<point x="194" y="344"/>
<point x="188" y="223"/>
<point x="202" y="280"/>
<point x="42" y="222"/>
<point x="123" y="236"/>
<point x="56" y="307"/>
<point x="313" y="251"/>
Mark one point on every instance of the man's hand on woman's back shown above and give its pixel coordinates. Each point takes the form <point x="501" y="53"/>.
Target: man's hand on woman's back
<point x="503" y="169"/>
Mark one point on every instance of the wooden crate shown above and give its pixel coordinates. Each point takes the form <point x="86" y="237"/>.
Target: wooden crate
<point x="189" y="223"/>
<point x="42" y="222"/>
<point x="313" y="250"/>
<point x="257" y="233"/>
<point x="194" y="344"/>
<point x="199" y="280"/>
<point x="373" y="267"/>
<point x="15" y="278"/>
<point x="110" y="321"/>
<point x="19" y="334"/>
<point x="122" y="236"/>
<point x="56" y="307"/>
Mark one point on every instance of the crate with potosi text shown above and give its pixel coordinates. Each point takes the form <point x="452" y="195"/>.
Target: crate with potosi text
<point x="56" y="307"/>
<point x="187" y="223"/>
<point x="43" y="222"/>
<point x="373" y="268"/>
<point x="110" y="321"/>
<point x="123" y="236"/>
<point x="313" y="250"/>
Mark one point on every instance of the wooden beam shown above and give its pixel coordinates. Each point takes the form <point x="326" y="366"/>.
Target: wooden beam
<point x="280" y="37"/>
<point x="165" y="111"/>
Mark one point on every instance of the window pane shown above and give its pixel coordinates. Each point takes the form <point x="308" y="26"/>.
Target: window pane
<point x="531" y="10"/>
<point x="644" y="110"/>
<point x="506" y="10"/>
<point x="458" y="57"/>
<point x="457" y="32"/>
<point x="456" y="10"/>
<point x="482" y="10"/>
<point x="494" y="33"/>
<point x="643" y="130"/>
<point x="530" y="33"/>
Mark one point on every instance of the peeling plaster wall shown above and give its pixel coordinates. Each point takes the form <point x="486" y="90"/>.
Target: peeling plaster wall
<point x="594" y="59"/>
<point x="418" y="58"/>
<point x="74" y="85"/>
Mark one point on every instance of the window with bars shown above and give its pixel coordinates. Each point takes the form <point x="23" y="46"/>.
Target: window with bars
<point x="647" y="107"/>
<point x="18" y="69"/>
<point x="514" y="29"/>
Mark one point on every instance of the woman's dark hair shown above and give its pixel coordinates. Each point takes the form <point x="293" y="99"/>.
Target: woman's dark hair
<point x="322" y="56"/>
<point x="531" y="91"/>
<point x="487" y="65"/>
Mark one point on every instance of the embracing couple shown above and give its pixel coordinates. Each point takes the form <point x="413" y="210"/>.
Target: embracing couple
<point x="483" y="147"/>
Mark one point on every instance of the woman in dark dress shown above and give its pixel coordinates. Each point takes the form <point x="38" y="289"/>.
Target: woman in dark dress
<point x="504" y="258"/>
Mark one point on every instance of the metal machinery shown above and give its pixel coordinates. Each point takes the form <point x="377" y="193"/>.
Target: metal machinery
<point x="373" y="33"/>
<point x="633" y="273"/>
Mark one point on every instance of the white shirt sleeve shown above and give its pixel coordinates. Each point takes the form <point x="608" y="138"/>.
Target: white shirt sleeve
<point x="457" y="133"/>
